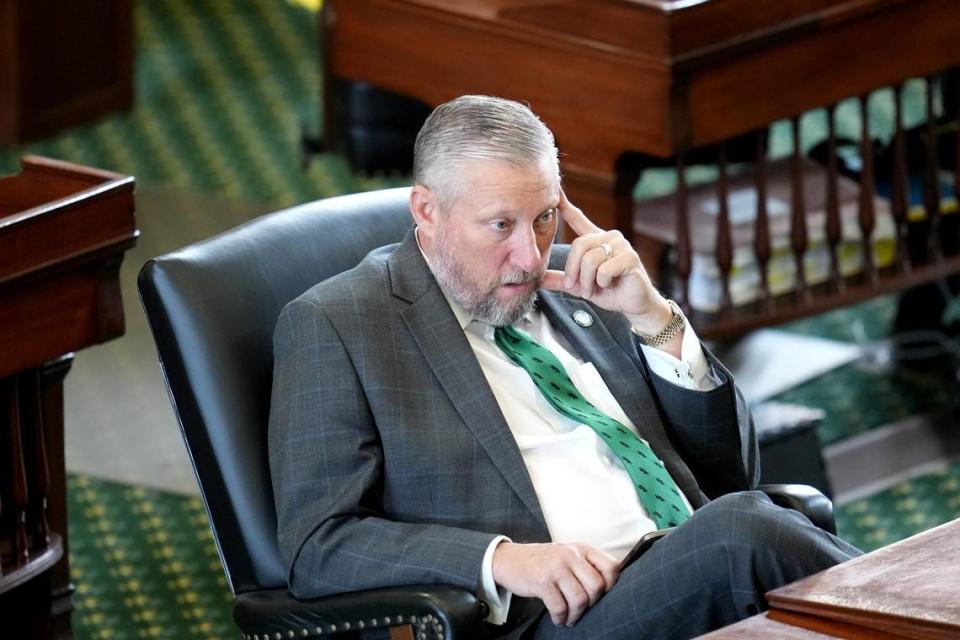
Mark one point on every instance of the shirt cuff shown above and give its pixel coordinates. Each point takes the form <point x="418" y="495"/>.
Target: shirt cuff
<point x="497" y="598"/>
<point x="691" y="371"/>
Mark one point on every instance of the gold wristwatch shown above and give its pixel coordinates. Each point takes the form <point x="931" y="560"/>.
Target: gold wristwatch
<point x="675" y="325"/>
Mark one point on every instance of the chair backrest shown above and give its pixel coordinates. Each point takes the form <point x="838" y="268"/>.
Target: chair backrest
<point x="212" y="308"/>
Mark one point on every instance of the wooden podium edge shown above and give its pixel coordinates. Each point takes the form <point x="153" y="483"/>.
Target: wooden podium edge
<point x="828" y="627"/>
<point x="871" y="624"/>
<point x="104" y="186"/>
<point x="62" y="167"/>
<point x="94" y="192"/>
<point x="793" y="598"/>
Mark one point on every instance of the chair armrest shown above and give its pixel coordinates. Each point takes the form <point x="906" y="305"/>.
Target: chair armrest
<point x="805" y="499"/>
<point x="440" y="612"/>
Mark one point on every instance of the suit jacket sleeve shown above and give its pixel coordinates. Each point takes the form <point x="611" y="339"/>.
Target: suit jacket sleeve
<point x="327" y="468"/>
<point x="712" y="431"/>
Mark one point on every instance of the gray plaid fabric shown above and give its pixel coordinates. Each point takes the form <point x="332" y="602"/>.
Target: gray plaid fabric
<point x="391" y="461"/>
<point x="710" y="572"/>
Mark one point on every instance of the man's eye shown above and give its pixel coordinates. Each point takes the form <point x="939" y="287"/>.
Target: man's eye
<point x="499" y="225"/>
<point x="546" y="217"/>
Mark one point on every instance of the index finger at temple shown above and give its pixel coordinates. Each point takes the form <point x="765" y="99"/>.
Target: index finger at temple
<point x="575" y="218"/>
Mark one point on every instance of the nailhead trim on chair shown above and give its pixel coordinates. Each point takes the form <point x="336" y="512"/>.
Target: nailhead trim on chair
<point x="426" y="627"/>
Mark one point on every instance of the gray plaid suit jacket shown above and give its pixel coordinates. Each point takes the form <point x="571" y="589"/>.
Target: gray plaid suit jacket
<point x="391" y="461"/>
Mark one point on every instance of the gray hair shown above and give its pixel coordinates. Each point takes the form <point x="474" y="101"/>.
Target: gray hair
<point x="477" y="128"/>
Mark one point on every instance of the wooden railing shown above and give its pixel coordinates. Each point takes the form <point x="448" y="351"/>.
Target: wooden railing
<point x="923" y="249"/>
<point x="28" y="546"/>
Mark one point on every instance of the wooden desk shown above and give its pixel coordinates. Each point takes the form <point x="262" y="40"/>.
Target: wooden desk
<point x="910" y="589"/>
<point x="63" y="231"/>
<point x="658" y="77"/>
<point x="782" y="625"/>
<point x="625" y="84"/>
<point x="764" y="627"/>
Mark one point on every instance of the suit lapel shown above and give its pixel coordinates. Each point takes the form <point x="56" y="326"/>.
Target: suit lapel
<point x="609" y="353"/>
<point x="442" y="341"/>
<point x="596" y="344"/>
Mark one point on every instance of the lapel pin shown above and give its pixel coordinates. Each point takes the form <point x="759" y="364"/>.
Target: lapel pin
<point x="582" y="318"/>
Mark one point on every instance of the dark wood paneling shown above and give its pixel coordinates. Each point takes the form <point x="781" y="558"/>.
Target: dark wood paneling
<point x="834" y="62"/>
<point x="9" y="76"/>
<point x="562" y="79"/>
<point x="63" y="64"/>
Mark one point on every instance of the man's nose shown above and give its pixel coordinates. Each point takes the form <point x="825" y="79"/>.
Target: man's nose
<point x="526" y="252"/>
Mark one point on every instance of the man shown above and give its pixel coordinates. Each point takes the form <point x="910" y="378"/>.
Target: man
<point x="473" y="407"/>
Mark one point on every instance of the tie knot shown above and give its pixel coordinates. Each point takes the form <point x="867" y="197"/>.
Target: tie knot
<point x="510" y="335"/>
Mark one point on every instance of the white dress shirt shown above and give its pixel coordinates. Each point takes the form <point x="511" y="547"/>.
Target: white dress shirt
<point x="585" y="493"/>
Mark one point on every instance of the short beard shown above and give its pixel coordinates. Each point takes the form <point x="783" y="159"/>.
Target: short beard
<point x="482" y="303"/>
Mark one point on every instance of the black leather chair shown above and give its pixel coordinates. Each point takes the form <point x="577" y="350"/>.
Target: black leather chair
<point x="212" y="308"/>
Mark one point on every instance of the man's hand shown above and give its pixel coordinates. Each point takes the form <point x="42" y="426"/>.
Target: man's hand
<point x="604" y="268"/>
<point x="568" y="578"/>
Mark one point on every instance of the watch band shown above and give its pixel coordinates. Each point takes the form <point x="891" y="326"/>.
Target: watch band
<point x="675" y="325"/>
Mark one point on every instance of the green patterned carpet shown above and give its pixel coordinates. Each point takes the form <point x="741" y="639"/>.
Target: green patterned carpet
<point x="223" y="91"/>
<point x="858" y="396"/>
<point x="903" y="510"/>
<point x="146" y="566"/>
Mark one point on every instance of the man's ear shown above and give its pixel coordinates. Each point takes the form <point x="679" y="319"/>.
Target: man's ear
<point x="424" y="208"/>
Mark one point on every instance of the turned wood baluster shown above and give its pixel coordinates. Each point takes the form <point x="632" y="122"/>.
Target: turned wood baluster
<point x="761" y="229"/>
<point x="931" y="188"/>
<point x="724" y="243"/>
<point x="899" y="199"/>
<point x="3" y="478"/>
<point x="867" y="217"/>
<point x="833" y="228"/>
<point x="683" y="264"/>
<point x="40" y="476"/>
<point x="956" y="171"/>
<point x="21" y="551"/>
<point x="798" y="219"/>
<point x="950" y="225"/>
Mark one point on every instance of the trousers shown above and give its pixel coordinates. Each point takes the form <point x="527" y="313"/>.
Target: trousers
<point x="710" y="572"/>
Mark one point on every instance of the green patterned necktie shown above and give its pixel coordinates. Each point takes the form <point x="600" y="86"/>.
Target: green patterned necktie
<point x="656" y="489"/>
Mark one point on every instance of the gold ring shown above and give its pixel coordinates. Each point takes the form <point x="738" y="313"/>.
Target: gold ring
<point x="607" y="250"/>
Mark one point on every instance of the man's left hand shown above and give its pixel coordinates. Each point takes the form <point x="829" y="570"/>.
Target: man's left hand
<point x="604" y="268"/>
